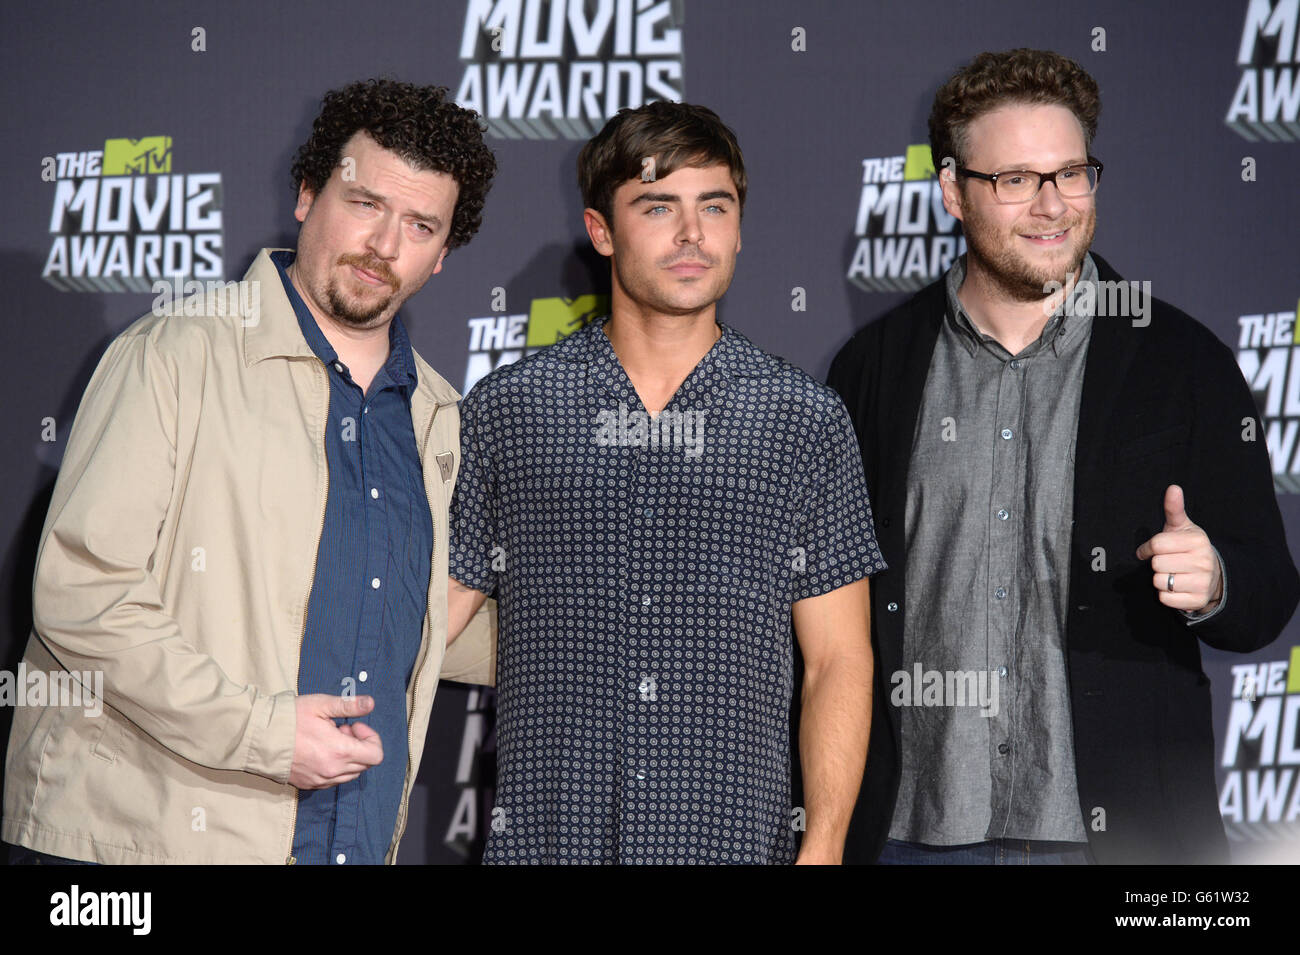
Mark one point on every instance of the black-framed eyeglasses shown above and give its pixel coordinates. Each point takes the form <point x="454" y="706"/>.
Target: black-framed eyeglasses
<point x="1021" y="185"/>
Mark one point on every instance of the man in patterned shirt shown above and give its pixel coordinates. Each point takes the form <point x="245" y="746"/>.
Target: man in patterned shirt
<point x="653" y="501"/>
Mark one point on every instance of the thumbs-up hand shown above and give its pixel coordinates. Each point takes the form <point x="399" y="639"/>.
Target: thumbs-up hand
<point x="1182" y="554"/>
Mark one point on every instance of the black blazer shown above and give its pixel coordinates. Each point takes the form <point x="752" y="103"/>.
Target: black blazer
<point x="1162" y="404"/>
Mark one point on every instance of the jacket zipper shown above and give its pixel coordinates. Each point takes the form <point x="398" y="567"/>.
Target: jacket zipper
<point x="415" y="681"/>
<point x="302" y="635"/>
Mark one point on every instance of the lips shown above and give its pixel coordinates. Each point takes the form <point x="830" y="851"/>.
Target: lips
<point x="688" y="268"/>
<point x="367" y="276"/>
<point x="1047" y="238"/>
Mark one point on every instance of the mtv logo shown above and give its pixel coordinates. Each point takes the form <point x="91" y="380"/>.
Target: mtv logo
<point x="919" y="163"/>
<point x="550" y="319"/>
<point x="126" y="157"/>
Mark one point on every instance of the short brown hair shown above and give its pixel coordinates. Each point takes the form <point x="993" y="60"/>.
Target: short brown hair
<point x="673" y="134"/>
<point x="419" y="123"/>
<point x="992" y="80"/>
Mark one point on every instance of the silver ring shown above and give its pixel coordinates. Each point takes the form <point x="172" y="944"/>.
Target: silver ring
<point x="1170" y="585"/>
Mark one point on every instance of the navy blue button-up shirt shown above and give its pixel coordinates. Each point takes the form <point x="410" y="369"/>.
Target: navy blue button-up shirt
<point x="369" y="595"/>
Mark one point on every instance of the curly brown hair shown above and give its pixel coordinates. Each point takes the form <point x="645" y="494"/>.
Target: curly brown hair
<point x="675" y="134"/>
<point x="991" y="80"/>
<point x="419" y="123"/>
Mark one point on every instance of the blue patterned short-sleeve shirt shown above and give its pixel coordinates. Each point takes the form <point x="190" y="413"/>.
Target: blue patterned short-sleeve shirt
<point x="644" y="571"/>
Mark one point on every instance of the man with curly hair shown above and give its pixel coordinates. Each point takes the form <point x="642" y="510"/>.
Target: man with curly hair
<point x="1070" y="502"/>
<point x="248" y="536"/>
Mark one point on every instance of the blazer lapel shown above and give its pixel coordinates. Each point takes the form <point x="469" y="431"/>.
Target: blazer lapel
<point x="1110" y="355"/>
<point x="917" y="340"/>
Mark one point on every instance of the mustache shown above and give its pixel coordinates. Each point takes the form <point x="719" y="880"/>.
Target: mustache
<point x="694" y="258"/>
<point x="374" y="266"/>
<point x="1061" y="226"/>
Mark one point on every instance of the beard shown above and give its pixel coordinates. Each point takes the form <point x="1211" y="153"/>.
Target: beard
<point x="995" y="247"/>
<point x="356" y="314"/>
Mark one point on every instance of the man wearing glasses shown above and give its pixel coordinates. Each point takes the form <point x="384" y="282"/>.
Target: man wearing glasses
<point x="1069" y="478"/>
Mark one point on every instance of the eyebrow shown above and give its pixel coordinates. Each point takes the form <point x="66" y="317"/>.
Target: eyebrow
<point x="427" y="218"/>
<point x="1026" y="168"/>
<point x="673" y="197"/>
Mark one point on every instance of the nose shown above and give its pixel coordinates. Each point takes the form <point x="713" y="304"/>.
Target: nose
<point x="384" y="237"/>
<point x="1048" y="202"/>
<point x="690" y="232"/>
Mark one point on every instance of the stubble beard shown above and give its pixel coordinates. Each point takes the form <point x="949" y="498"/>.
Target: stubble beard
<point x="347" y="313"/>
<point x="642" y="289"/>
<point x="360" y="316"/>
<point x="1013" y="274"/>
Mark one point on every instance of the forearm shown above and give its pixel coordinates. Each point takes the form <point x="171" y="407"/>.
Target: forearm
<point x="834" y="728"/>
<point x="153" y="676"/>
<point x="462" y="603"/>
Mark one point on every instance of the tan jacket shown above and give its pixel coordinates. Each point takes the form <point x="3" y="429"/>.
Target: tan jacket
<point x="177" y="558"/>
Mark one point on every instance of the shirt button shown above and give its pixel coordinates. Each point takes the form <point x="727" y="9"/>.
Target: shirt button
<point x="1003" y="748"/>
<point x="645" y="601"/>
<point x="1006" y="434"/>
<point x="338" y="366"/>
<point x="374" y="492"/>
<point x="1003" y="514"/>
<point x="1002" y="671"/>
<point x="1015" y="364"/>
<point x="340" y="858"/>
<point x="640" y="774"/>
<point x="1000" y="593"/>
<point x="649" y="512"/>
<point x="374" y="583"/>
<point x="363" y="676"/>
<point x="366" y="410"/>
<point x="891" y="606"/>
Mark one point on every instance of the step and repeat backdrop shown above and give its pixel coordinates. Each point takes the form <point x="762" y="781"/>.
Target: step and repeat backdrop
<point x="148" y="139"/>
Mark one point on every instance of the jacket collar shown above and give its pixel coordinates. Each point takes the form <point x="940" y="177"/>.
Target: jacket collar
<point x="274" y="332"/>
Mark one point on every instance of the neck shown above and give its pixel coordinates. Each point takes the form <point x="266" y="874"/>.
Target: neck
<point x="655" y="343"/>
<point x="1013" y="321"/>
<point x="658" y="351"/>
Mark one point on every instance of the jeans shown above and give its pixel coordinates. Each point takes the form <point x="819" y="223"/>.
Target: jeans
<point x="995" y="852"/>
<point x="21" y="855"/>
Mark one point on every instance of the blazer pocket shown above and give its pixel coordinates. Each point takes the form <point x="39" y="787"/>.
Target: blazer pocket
<point x="1154" y="442"/>
<point x="108" y="741"/>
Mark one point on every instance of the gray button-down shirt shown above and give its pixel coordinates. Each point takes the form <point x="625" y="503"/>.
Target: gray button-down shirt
<point x="989" y="511"/>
